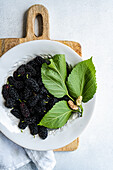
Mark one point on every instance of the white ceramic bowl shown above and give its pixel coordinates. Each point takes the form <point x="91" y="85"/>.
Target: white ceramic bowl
<point x="8" y="123"/>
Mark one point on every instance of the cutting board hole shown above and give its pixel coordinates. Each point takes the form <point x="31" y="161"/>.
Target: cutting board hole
<point x="38" y="25"/>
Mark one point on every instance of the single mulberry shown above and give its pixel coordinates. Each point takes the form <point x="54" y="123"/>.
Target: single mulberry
<point x="10" y="80"/>
<point x="17" y="76"/>
<point x="30" y="69"/>
<point x="21" y="95"/>
<point x="10" y="103"/>
<point x="22" y="124"/>
<point x="19" y="84"/>
<point x="5" y="91"/>
<point x="32" y="84"/>
<point x="16" y="113"/>
<point x="43" y="132"/>
<point x="24" y="110"/>
<point x="33" y="129"/>
<point x="21" y="70"/>
<point x="33" y="101"/>
<point x="27" y="93"/>
<point x="13" y="93"/>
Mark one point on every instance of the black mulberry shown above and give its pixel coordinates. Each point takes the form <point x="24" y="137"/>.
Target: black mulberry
<point x="33" y="129"/>
<point x="16" y="113"/>
<point x="33" y="101"/>
<point x="22" y="124"/>
<point x="24" y="110"/>
<point x="10" y="103"/>
<point x="5" y="91"/>
<point x="27" y="93"/>
<point x="10" y="80"/>
<point x="17" y="76"/>
<point x="43" y="132"/>
<point x="19" y="85"/>
<point x="13" y="93"/>
<point x="30" y="69"/>
<point x="32" y="84"/>
<point x="21" y="95"/>
<point x="21" y="70"/>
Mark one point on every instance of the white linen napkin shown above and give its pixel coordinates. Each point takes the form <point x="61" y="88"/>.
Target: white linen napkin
<point x="12" y="156"/>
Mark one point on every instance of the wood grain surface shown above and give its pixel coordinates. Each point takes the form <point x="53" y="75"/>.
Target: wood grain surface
<point x="8" y="43"/>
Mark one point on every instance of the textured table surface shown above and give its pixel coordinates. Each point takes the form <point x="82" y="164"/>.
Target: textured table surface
<point x="92" y="24"/>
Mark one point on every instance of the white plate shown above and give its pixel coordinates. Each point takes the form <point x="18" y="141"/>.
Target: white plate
<point x="8" y="123"/>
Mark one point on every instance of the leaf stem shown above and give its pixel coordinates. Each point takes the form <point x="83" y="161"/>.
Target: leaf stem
<point x="70" y="97"/>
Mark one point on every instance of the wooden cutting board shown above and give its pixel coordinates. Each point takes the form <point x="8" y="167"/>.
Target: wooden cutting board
<point x="8" y="43"/>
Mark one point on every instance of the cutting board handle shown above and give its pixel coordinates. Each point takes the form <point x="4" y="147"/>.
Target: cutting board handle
<point x="33" y="12"/>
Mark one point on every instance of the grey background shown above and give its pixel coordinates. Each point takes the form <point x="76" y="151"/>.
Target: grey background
<point x="89" y="22"/>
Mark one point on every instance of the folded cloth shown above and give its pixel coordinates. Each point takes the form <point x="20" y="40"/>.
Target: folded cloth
<point x="44" y="160"/>
<point x="12" y="156"/>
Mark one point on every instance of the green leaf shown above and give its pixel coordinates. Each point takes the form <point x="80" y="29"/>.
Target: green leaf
<point x="54" y="76"/>
<point x="57" y="116"/>
<point x="82" y="80"/>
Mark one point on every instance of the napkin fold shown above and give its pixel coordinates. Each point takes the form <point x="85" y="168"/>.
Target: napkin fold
<point x="12" y="156"/>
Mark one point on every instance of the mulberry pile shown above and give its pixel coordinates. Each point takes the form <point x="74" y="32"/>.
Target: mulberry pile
<point x="27" y="97"/>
